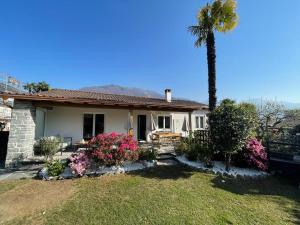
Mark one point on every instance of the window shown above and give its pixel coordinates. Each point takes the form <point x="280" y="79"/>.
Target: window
<point x="99" y="124"/>
<point x="88" y="125"/>
<point x="93" y="124"/>
<point x="199" y="122"/>
<point x="164" y="122"/>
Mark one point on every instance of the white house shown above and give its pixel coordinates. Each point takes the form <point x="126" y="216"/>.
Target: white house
<point x="81" y="115"/>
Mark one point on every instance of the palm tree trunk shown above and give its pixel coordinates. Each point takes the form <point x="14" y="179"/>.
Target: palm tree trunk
<point x="211" y="61"/>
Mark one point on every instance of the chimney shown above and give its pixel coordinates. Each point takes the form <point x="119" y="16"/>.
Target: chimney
<point x="168" y="95"/>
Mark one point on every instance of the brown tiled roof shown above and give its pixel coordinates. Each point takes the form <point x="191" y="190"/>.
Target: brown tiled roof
<point x="100" y="99"/>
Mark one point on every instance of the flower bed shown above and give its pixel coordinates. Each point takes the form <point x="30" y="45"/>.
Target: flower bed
<point x="220" y="168"/>
<point x="108" y="154"/>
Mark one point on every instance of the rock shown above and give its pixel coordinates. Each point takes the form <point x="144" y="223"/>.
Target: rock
<point x="43" y="174"/>
<point x="67" y="174"/>
<point x="297" y="158"/>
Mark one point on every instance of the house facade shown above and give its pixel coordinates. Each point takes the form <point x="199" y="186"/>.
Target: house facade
<point x="79" y="116"/>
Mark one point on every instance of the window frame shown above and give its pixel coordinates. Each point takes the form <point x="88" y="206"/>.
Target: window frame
<point x="94" y="122"/>
<point x="164" y="123"/>
<point x="198" y="125"/>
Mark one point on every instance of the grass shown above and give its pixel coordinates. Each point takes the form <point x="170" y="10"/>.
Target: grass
<point x="163" y="195"/>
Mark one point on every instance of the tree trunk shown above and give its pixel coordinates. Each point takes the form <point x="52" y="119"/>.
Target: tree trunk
<point x="228" y="161"/>
<point x="211" y="61"/>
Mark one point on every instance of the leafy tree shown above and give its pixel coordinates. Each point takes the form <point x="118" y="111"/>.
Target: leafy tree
<point x="231" y="127"/>
<point x="252" y="114"/>
<point x="296" y="130"/>
<point x="219" y="16"/>
<point x="37" y="87"/>
<point x="271" y="114"/>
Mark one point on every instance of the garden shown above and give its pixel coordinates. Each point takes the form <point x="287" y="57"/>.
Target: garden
<point x="111" y="153"/>
<point x="231" y="146"/>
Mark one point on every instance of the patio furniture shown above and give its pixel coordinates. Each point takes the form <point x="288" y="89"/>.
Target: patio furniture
<point x="81" y="145"/>
<point x="166" y="137"/>
<point x="66" y="144"/>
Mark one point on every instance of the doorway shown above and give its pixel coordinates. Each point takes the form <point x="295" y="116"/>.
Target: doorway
<point x="3" y="147"/>
<point x="142" y="125"/>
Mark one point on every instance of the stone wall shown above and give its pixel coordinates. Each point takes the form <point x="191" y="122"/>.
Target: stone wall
<point x="22" y="132"/>
<point x="5" y="112"/>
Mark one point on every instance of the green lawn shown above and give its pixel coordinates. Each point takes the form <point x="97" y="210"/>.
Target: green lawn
<point x="163" y="195"/>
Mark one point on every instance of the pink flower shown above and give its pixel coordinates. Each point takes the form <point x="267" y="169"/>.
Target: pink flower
<point x="79" y="163"/>
<point x="256" y="155"/>
<point x="114" y="148"/>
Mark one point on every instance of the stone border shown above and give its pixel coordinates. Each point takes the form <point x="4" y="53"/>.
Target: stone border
<point x="101" y="171"/>
<point x="219" y="168"/>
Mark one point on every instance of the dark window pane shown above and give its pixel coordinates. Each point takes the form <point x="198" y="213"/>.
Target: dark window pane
<point x="197" y="122"/>
<point x="160" y="122"/>
<point x="201" y="122"/>
<point x="88" y="125"/>
<point x="168" y="122"/>
<point x="99" y="124"/>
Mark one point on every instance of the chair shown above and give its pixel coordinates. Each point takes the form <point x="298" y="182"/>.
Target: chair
<point x="66" y="144"/>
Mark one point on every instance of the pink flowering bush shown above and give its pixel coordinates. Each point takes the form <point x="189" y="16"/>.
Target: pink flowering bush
<point x="256" y="155"/>
<point x="79" y="163"/>
<point x="114" y="149"/>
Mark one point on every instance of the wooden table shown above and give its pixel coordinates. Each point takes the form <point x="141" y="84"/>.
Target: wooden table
<point x="166" y="137"/>
<point x="81" y="145"/>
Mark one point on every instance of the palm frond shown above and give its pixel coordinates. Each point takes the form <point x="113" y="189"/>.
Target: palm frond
<point x="200" y="33"/>
<point x="227" y="18"/>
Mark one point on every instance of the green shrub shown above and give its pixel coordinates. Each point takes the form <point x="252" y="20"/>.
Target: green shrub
<point x="193" y="152"/>
<point x="205" y="154"/>
<point x="230" y="127"/>
<point x="55" y="167"/>
<point x="48" y="146"/>
<point x="181" y="148"/>
<point x="148" y="154"/>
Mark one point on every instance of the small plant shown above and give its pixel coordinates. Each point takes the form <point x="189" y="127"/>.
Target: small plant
<point x="48" y="146"/>
<point x="79" y="163"/>
<point x="205" y="154"/>
<point x="181" y="148"/>
<point x="147" y="154"/>
<point x="55" y="167"/>
<point x="193" y="152"/>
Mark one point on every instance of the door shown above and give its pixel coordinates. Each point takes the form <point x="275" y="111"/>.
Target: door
<point x="3" y="147"/>
<point x="142" y="124"/>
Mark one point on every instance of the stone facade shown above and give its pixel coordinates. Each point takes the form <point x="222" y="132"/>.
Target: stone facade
<point x="22" y="132"/>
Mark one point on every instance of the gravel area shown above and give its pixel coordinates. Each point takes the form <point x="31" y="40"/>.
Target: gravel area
<point x="219" y="168"/>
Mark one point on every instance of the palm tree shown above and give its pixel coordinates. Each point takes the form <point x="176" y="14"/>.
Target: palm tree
<point x="219" y="16"/>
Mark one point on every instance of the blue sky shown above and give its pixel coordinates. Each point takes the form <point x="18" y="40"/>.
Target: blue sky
<point x="145" y="44"/>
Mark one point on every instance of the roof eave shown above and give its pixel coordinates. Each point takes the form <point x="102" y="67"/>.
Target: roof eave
<point x="50" y="101"/>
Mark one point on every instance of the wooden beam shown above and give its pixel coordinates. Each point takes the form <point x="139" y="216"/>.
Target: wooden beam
<point x="190" y="123"/>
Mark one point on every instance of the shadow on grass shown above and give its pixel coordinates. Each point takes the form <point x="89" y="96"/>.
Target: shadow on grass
<point x="165" y="172"/>
<point x="271" y="186"/>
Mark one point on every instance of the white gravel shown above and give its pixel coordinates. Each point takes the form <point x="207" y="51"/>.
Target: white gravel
<point x="132" y="166"/>
<point x="219" y="168"/>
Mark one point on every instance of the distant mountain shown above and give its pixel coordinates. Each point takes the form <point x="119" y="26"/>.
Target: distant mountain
<point x="119" y="90"/>
<point x="288" y="105"/>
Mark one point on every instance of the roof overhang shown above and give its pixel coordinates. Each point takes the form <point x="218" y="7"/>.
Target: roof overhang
<point x="46" y="101"/>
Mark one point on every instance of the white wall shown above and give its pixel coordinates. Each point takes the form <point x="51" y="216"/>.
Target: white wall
<point x="5" y="116"/>
<point x="68" y="121"/>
